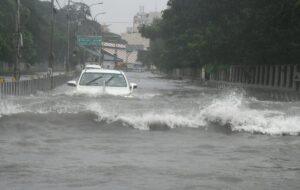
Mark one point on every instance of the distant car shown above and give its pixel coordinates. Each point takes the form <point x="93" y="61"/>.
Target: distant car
<point x="92" y="67"/>
<point x="101" y="81"/>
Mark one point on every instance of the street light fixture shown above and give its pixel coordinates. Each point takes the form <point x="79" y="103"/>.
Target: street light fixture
<point x="95" y="4"/>
<point x="88" y="5"/>
<point x="68" y="51"/>
<point x="102" y="13"/>
<point x="100" y="49"/>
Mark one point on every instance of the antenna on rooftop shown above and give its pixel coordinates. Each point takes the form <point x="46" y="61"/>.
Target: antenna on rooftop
<point x="142" y="9"/>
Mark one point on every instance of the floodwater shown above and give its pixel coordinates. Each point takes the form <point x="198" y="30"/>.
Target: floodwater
<point x="169" y="135"/>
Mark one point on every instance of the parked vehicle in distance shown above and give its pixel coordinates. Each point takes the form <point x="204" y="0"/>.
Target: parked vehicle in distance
<point x="90" y="66"/>
<point x="101" y="81"/>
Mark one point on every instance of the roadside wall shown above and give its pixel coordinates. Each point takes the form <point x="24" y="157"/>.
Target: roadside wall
<point x="285" y="77"/>
<point x="32" y="86"/>
<point x="190" y="73"/>
<point x="276" y="82"/>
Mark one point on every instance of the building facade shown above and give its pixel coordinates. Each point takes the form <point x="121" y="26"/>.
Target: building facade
<point x="132" y="36"/>
<point x="134" y="39"/>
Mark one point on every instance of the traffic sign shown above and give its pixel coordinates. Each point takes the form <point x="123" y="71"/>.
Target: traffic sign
<point x="89" y="40"/>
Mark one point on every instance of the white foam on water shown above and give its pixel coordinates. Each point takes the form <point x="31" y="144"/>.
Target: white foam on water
<point x="144" y="120"/>
<point x="9" y="108"/>
<point x="172" y="120"/>
<point x="234" y="111"/>
<point x="55" y="108"/>
<point x="37" y="106"/>
<point x="101" y="113"/>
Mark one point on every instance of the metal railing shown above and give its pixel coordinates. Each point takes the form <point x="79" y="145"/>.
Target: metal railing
<point x="32" y="86"/>
<point x="283" y="77"/>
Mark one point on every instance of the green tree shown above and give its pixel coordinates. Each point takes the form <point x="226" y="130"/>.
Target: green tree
<point x="195" y="33"/>
<point x="6" y="30"/>
<point x="35" y="28"/>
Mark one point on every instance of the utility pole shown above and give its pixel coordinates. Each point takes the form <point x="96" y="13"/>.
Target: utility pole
<point x="116" y="55"/>
<point x="68" y="35"/>
<point x="50" y="63"/>
<point x="99" y="33"/>
<point x="18" y="40"/>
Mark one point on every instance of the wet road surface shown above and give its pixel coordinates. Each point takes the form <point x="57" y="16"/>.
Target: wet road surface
<point x="168" y="135"/>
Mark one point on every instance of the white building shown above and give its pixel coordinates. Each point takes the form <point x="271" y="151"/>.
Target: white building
<point x="143" y="18"/>
<point x="134" y="39"/>
<point x="110" y="60"/>
<point x="118" y="50"/>
<point x="132" y="36"/>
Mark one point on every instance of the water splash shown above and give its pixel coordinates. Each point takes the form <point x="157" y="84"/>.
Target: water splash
<point x="234" y="110"/>
<point x="9" y="108"/>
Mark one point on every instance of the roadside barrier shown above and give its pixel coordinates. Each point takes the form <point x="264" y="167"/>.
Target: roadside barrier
<point x="32" y="86"/>
<point x="283" y="77"/>
<point x="266" y="82"/>
<point x="2" y="80"/>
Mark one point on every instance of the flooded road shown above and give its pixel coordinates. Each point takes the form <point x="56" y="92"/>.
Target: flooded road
<point x="168" y="135"/>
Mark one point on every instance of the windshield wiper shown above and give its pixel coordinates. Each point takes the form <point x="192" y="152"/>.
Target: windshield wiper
<point x="108" y="80"/>
<point x="90" y="82"/>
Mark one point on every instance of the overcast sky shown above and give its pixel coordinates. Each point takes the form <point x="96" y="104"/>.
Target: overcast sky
<point x="119" y="13"/>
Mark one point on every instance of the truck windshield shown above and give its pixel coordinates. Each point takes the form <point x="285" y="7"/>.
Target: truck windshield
<point x="99" y="79"/>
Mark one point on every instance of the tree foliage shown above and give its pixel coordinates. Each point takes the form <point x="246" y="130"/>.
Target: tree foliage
<point x="35" y="29"/>
<point x="224" y="32"/>
<point x="6" y="29"/>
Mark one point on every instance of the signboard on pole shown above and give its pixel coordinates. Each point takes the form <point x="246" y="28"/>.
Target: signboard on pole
<point x="89" y="40"/>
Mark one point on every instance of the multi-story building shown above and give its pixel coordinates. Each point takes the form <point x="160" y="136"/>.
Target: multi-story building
<point x="143" y="18"/>
<point x="134" y="39"/>
<point x="132" y="36"/>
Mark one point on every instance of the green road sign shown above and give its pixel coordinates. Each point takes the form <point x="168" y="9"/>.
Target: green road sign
<point x="89" y="40"/>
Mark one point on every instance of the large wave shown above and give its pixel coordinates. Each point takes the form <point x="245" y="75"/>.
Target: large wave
<point x="233" y="111"/>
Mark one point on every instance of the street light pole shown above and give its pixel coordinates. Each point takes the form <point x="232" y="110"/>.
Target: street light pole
<point x="50" y="63"/>
<point x="68" y="51"/>
<point x="18" y="39"/>
<point x="68" y="65"/>
<point x="100" y="33"/>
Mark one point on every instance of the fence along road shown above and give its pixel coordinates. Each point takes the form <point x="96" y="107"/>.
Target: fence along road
<point x="28" y="87"/>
